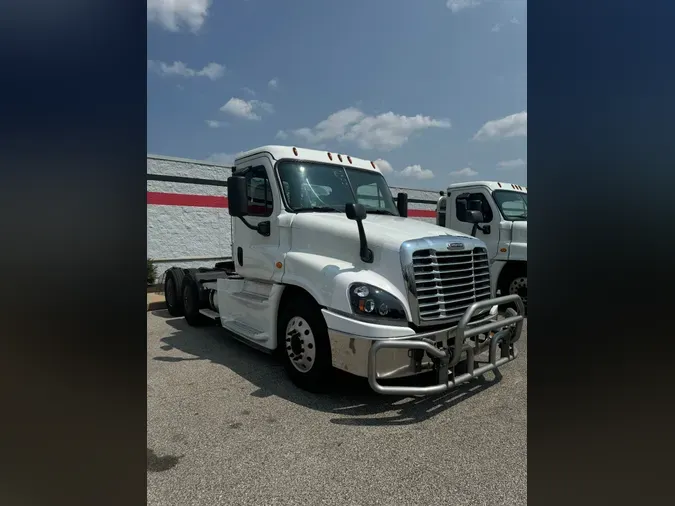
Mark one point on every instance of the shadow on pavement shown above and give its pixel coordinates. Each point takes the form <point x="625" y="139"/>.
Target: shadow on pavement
<point x="352" y="400"/>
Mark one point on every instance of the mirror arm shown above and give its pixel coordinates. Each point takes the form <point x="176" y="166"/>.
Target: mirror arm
<point x="485" y="229"/>
<point x="366" y="252"/>
<point x="264" y="230"/>
<point x="247" y="223"/>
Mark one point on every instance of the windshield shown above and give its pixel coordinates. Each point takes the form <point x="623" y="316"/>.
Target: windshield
<point x="513" y="205"/>
<point x="322" y="187"/>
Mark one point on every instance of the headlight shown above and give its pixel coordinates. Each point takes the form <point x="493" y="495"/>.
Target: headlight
<point x="368" y="300"/>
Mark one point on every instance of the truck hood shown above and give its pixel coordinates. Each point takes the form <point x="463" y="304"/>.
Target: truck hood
<point x="331" y="234"/>
<point x="325" y="246"/>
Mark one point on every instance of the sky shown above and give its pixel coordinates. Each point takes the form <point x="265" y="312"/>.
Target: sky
<point x="434" y="91"/>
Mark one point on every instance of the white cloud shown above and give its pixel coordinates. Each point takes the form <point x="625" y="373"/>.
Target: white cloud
<point x="411" y="171"/>
<point x="213" y="70"/>
<point x="514" y="125"/>
<point x="498" y="26"/>
<point x="176" y="14"/>
<point x="465" y="172"/>
<point x="212" y="123"/>
<point x="459" y="5"/>
<point x="250" y="109"/>
<point x="382" y="132"/>
<point x="417" y="172"/>
<point x="273" y="84"/>
<point x="383" y="166"/>
<point x="281" y="135"/>
<point x="511" y="164"/>
<point x="249" y="91"/>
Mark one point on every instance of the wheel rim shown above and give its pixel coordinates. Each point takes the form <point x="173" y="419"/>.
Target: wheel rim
<point x="519" y="287"/>
<point x="170" y="291"/>
<point x="300" y="344"/>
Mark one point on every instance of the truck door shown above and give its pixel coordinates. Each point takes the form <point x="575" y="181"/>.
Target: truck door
<point x="456" y="210"/>
<point x="254" y="254"/>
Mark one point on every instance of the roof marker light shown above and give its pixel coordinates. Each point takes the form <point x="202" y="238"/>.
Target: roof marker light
<point x="373" y="164"/>
<point x="513" y="186"/>
<point x="340" y="157"/>
<point x="330" y="156"/>
<point x="500" y="185"/>
<point x="350" y="159"/>
<point x="295" y="151"/>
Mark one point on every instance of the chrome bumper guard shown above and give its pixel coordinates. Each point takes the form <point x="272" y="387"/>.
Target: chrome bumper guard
<point x="508" y="332"/>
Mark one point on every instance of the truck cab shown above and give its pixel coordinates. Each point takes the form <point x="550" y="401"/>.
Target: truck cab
<point x="504" y="229"/>
<point x="328" y="273"/>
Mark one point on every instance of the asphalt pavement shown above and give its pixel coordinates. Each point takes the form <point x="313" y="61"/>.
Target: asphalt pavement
<point x="226" y="426"/>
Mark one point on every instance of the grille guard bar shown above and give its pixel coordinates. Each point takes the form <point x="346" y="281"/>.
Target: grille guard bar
<point x="450" y="352"/>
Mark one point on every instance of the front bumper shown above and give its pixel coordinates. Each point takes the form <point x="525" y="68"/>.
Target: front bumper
<point x="383" y="356"/>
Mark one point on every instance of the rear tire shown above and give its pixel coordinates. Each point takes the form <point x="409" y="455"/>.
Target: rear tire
<point x="173" y="289"/>
<point x="304" y="345"/>
<point x="192" y="303"/>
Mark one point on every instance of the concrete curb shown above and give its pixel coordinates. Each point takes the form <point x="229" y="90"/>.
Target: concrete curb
<point x="156" y="301"/>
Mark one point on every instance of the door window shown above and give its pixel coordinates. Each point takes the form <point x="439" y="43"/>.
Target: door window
<point x="259" y="192"/>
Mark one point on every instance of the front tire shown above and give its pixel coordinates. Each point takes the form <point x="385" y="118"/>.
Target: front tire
<point x="304" y="345"/>
<point x="514" y="282"/>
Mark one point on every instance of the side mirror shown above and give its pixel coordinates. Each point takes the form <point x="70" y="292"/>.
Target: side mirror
<point x="355" y="211"/>
<point x="402" y="204"/>
<point x="474" y="216"/>
<point x="236" y="196"/>
<point x="475" y="205"/>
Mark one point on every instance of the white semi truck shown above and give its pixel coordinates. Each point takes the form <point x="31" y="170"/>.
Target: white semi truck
<point x="503" y="228"/>
<point x="329" y="273"/>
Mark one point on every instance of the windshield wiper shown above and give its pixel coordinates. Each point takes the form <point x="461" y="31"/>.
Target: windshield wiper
<point x="380" y="211"/>
<point x="318" y="209"/>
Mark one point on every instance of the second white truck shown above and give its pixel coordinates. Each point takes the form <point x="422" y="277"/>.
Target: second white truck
<point x="503" y="228"/>
<point x="328" y="273"/>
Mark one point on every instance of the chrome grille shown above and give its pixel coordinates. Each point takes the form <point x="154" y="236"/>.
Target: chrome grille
<point x="448" y="282"/>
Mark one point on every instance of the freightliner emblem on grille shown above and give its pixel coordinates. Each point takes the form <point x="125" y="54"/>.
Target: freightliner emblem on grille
<point x="455" y="245"/>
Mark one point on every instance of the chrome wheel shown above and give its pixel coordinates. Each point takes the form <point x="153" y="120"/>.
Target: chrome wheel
<point x="519" y="287"/>
<point x="300" y="344"/>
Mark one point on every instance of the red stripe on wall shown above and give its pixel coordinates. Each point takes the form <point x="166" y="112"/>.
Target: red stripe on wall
<point x="421" y="213"/>
<point x="181" y="199"/>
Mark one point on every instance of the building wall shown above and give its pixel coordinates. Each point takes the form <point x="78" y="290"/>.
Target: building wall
<point x="188" y="222"/>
